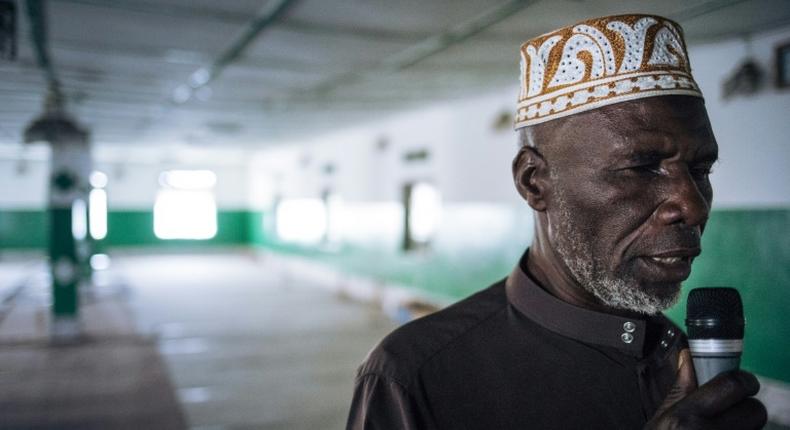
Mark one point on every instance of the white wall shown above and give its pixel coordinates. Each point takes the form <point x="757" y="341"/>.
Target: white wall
<point x="753" y="132"/>
<point x="135" y="185"/>
<point x="469" y="163"/>
<point x="133" y="175"/>
<point x="469" y="160"/>
<point x="23" y="178"/>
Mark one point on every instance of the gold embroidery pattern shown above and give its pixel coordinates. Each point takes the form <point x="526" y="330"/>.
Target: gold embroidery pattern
<point x="599" y="62"/>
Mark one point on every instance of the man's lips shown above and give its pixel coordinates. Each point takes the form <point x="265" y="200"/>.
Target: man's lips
<point x="675" y="254"/>
<point x="669" y="266"/>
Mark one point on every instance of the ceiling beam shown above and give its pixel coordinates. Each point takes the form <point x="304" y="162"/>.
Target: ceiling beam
<point x="38" y="34"/>
<point x="428" y="47"/>
<point x="232" y="17"/>
<point x="271" y="13"/>
<point x="703" y="9"/>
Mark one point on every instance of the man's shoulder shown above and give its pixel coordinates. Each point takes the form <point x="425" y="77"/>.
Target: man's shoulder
<point x="401" y="354"/>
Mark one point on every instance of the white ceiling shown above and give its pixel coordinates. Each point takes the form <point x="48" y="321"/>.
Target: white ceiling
<point x="324" y="64"/>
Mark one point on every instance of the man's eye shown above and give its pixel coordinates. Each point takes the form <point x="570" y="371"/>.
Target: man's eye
<point x="701" y="172"/>
<point x="650" y="168"/>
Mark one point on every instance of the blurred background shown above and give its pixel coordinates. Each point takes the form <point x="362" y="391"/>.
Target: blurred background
<point x="211" y="210"/>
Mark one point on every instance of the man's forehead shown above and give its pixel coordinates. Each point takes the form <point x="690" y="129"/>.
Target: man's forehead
<point x="646" y="125"/>
<point x="670" y="116"/>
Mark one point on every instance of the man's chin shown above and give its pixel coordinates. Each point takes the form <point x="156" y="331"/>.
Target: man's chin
<point x="653" y="298"/>
<point x="649" y="299"/>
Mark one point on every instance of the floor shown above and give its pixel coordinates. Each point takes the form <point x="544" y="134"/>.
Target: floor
<point x="249" y="345"/>
<point x="200" y="341"/>
<point x="120" y="384"/>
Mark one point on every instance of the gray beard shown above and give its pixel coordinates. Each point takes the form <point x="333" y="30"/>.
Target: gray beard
<point x="590" y="271"/>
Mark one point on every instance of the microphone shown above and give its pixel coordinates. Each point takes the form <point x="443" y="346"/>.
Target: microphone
<point x="714" y="322"/>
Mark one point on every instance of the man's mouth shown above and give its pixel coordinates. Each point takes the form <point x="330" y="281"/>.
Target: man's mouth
<point x="669" y="266"/>
<point x="667" y="260"/>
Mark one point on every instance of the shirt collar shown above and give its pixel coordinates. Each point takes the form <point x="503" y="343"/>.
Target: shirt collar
<point x="625" y="334"/>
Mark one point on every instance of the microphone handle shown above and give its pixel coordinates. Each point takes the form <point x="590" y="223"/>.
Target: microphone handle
<point x="707" y="366"/>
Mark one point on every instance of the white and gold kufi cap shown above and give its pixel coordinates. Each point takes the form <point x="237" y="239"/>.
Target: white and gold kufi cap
<point x="600" y="62"/>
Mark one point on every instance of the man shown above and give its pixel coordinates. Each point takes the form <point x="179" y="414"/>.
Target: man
<point x="616" y="149"/>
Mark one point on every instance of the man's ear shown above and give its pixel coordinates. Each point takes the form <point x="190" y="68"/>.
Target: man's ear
<point x="530" y="174"/>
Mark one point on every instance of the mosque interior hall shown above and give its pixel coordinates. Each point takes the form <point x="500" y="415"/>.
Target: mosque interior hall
<point x="211" y="211"/>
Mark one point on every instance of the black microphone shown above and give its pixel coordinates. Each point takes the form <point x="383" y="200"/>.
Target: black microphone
<point x="714" y="321"/>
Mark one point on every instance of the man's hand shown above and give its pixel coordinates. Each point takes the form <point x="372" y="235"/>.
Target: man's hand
<point x="723" y="403"/>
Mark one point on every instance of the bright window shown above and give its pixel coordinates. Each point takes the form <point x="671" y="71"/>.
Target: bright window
<point x="425" y="212"/>
<point x="97" y="213"/>
<point x="97" y="206"/>
<point x="301" y="220"/>
<point x="185" y="207"/>
<point x="334" y="218"/>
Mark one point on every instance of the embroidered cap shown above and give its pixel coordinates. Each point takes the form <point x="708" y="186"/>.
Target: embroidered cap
<point x="600" y="62"/>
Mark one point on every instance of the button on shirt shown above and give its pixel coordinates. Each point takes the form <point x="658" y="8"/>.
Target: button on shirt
<point x="513" y="357"/>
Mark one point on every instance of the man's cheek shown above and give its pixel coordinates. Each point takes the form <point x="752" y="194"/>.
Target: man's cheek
<point x="603" y="195"/>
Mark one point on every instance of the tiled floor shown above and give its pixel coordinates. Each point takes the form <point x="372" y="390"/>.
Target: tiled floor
<point x="104" y="384"/>
<point x="249" y="345"/>
<point x="108" y="378"/>
<point x="236" y="342"/>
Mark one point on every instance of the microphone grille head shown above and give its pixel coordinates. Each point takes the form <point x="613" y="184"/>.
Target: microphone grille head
<point x="714" y="313"/>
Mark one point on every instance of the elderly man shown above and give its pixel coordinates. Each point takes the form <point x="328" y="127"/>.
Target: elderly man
<point x="615" y="153"/>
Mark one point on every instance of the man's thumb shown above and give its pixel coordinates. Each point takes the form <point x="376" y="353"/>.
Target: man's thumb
<point x="685" y="383"/>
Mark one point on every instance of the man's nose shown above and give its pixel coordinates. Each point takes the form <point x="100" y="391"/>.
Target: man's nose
<point x="685" y="202"/>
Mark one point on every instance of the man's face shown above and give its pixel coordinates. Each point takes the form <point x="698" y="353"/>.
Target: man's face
<point x="630" y="197"/>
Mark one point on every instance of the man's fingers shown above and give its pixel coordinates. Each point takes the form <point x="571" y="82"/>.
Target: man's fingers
<point x="722" y="392"/>
<point x="685" y="382"/>
<point x="687" y="379"/>
<point x="746" y="415"/>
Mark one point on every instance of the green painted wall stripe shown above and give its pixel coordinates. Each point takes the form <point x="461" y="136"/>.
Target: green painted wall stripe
<point x="27" y="229"/>
<point x="23" y="229"/>
<point x="745" y="249"/>
<point x="136" y="228"/>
